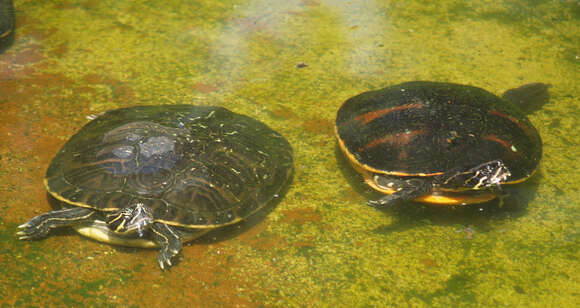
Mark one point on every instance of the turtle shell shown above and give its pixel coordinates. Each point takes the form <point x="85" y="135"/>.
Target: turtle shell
<point x="6" y="24"/>
<point x="199" y="167"/>
<point x="430" y="128"/>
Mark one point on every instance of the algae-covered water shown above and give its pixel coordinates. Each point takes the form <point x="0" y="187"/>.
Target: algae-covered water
<point x="291" y="64"/>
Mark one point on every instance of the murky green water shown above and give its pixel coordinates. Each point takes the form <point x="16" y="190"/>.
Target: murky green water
<point x="291" y="64"/>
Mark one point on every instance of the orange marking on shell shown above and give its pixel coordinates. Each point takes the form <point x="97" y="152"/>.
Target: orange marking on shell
<point x="527" y="129"/>
<point x="494" y="138"/>
<point x="398" y="138"/>
<point x="370" y="116"/>
<point x="363" y="168"/>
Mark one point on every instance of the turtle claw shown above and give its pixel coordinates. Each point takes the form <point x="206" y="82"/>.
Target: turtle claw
<point x="379" y="204"/>
<point x="162" y="264"/>
<point x="22" y="235"/>
<point x="32" y="231"/>
<point x="24" y="225"/>
<point x="164" y="258"/>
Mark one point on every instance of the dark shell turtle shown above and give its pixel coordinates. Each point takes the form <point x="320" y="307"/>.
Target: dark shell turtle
<point x="437" y="142"/>
<point x="6" y="24"/>
<point x="155" y="176"/>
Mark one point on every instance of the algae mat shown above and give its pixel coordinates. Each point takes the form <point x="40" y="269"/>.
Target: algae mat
<point x="291" y="64"/>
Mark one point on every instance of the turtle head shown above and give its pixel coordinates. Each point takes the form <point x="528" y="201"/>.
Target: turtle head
<point x="488" y="175"/>
<point x="134" y="218"/>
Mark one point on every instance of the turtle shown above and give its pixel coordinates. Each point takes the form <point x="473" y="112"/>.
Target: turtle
<point x="440" y="143"/>
<point x="6" y="24"/>
<point x="157" y="176"/>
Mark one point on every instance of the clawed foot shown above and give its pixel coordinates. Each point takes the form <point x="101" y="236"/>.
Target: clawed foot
<point x="35" y="228"/>
<point x="382" y="202"/>
<point x="39" y="226"/>
<point x="169" y="240"/>
<point x="375" y="203"/>
<point x="165" y="255"/>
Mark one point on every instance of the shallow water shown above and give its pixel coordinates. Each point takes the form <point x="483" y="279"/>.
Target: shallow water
<point x="291" y="64"/>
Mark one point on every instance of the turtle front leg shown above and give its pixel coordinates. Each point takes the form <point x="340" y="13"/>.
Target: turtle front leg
<point x="400" y="189"/>
<point x="40" y="225"/>
<point x="169" y="240"/>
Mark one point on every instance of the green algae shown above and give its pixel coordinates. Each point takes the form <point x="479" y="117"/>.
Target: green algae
<point x="320" y="246"/>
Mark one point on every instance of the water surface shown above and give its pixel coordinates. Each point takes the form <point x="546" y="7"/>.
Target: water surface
<point x="291" y="64"/>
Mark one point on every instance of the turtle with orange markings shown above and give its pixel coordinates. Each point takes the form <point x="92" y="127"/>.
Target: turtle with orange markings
<point x="6" y="24"/>
<point x="440" y="143"/>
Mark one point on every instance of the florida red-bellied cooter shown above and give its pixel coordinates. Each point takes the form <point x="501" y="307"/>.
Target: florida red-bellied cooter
<point x="439" y="143"/>
<point x="156" y="176"/>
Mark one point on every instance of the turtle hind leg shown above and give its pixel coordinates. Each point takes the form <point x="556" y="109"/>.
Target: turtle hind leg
<point x="405" y="190"/>
<point x="40" y="225"/>
<point x="169" y="240"/>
